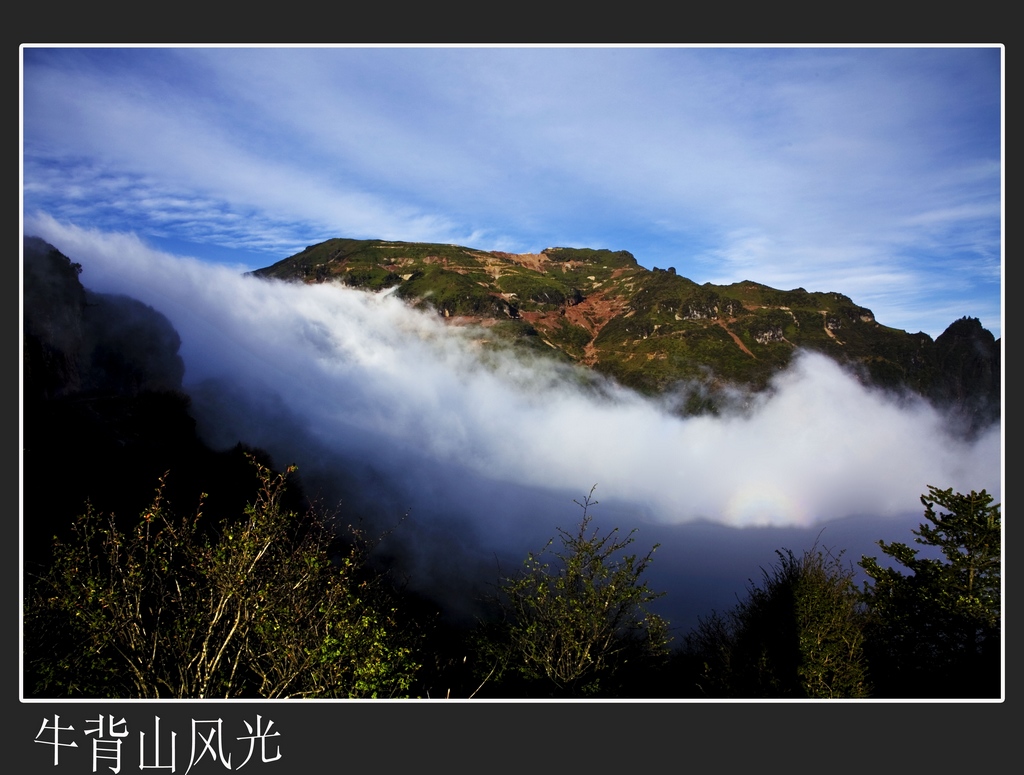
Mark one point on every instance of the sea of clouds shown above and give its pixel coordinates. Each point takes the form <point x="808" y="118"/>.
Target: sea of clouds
<point x="390" y="412"/>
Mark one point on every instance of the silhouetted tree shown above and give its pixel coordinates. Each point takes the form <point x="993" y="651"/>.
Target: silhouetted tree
<point x="935" y="631"/>
<point x="797" y="634"/>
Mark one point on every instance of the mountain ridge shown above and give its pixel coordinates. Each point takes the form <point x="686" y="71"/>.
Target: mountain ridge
<point x="655" y="330"/>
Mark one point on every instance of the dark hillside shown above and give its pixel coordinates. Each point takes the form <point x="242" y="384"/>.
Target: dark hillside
<point x="104" y="414"/>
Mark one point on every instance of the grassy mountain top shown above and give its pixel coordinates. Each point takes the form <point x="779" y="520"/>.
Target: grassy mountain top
<point x="653" y="329"/>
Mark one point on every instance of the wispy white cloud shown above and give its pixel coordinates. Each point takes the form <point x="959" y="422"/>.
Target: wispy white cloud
<point x="351" y="385"/>
<point x="800" y="165"/>
<point x="369" y="361"/>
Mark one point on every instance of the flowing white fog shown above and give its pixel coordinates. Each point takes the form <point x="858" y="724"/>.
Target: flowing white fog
<point x="486" y="452"/>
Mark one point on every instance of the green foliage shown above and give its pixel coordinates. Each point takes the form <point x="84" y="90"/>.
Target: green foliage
<point x="622" y="331"/>
<point x="602" y="257"/>
<point x="577" y="622"/>
<point x="531" y="287"/>
<point x="315" y="262"/>
<point x="372" y="278"/>
<point x="654" y="363"/>
<point x="798" y="634"/>
<point x="514" y="330"/>
<point x="798" y="298"/>
<point x="451" y="294"/>
<point x="418" y="251"/>
<point x="770" y="320"/>
<point x="663" y="292"/>
<point x="253" y="607"/>
<point x="935" y="631"/>
<point x="571" y="338"/>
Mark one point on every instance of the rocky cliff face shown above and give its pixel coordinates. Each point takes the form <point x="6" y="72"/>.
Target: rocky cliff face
<point x="104" y="415"/>
<point x="54" y="339"/>
<point x="79" y="342"/>
<point x="969" y="360"/>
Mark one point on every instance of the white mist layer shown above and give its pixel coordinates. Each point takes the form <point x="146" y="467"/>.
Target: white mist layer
<point x="371" y="380"/>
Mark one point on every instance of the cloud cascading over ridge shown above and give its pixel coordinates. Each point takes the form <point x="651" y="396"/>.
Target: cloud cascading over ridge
<point x="361" y="373"/>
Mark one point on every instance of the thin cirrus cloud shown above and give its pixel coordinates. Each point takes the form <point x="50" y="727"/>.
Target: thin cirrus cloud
<point x="824" y="168"/>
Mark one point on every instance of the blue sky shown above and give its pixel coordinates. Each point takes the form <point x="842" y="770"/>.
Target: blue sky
<point x="871" y="171"/>
<point x="875" y="172"/>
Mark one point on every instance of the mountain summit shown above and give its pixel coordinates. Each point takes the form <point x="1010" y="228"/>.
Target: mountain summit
<point x="654" y="330"/>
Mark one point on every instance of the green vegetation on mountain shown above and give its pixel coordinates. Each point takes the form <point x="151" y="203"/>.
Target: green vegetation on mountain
<point x="654" y="330"/>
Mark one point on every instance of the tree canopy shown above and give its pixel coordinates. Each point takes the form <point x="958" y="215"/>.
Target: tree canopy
<point x="935" y="630"/>
<point x="265" y="605"/>
<point x="576" y="620"/>
<point x="797" y="634"/>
